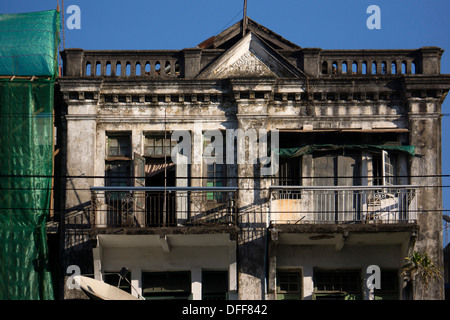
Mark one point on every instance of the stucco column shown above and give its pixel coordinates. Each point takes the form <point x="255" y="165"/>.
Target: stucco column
<point x="252" y="203"/>
<point x="136" y="281"/>
<point x="97" y="256"/>
<point x="425" y="171"/>
<point x="196" y="283"/>
<point x="308" y="282"/>
<point x="272" y="265"/>
<point x="232" y="272"/>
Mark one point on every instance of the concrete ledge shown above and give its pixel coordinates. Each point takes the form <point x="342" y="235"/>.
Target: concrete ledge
<point x="340" y="228"/>
<point x="231" y="229"/>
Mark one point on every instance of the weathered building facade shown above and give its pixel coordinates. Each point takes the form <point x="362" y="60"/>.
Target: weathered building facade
<point x="358" y="180"/>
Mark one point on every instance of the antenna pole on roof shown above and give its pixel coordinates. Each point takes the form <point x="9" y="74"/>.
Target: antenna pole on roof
<point x="244" y="20"/>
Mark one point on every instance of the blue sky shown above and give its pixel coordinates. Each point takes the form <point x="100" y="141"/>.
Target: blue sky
<point x="328" y="24"/>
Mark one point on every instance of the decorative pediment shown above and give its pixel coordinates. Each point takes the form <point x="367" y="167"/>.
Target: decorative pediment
<point x="228" y="37"/>
<point x="250" y="57"/>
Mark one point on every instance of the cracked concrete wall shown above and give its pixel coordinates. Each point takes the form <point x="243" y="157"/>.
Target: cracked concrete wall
<point x="320" y="99"/>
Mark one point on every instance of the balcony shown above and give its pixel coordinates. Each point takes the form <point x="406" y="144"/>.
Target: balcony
<point x="154" y="207"/>
<point x="343" y="205"/>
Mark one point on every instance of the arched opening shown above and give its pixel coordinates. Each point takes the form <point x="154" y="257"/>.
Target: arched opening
<point x="364" y="67"/>
<point x="168" y="68"/>
<point x="355" y="67"/>
<point x="138" y="68"/>
<point x="404" y="67"/>
<point x="177" y="68"/>
<point x="88" y="69"/>
<point x="383" y="67"/>
<point x="108" y="68"/>
<point x="118" y="69"/>
<point x="128" y="69"/>
<point x="324" y="67"/>
<point x="394" y="67"/>
<point x="98" y="69"/>
<point x="334" y="68"/>
<point x="344" y="67"/>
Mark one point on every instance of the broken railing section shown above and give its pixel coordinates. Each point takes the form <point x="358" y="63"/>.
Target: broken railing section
<point x="136" y="207"/>
<point x="358" y="204"/>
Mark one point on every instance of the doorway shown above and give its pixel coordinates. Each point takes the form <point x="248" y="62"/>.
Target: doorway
<point x="160" y="205"/>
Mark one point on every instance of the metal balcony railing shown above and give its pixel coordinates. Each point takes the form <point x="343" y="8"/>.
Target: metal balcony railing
<point x="138" y="207"/>
<point x="357" y="204"/>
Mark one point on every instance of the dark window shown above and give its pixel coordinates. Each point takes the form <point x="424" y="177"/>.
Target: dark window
<point x="166" y="285"/>
<point x="158" y="144"/>
<point x="119" y="146"/>
<point x="337" y="285"/>
<point x="118" y="160"/>
<point x="389" y="286"/>
<point x="114" y="279"/>
<point x="384" y="166"/>
<point x="289" y="171"/>
<point x="118" y="173"/>
<point x="215" y="172"/>
<point x="289" y="285"/>
<point x="214" y="285"/>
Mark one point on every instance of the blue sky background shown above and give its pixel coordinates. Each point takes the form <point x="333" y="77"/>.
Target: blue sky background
<point x="328" y="24"/>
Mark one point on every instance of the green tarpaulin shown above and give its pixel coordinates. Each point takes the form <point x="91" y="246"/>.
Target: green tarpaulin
<point x="29" y="43"/>
<point x="28" y="47"/>
<point x="26" y="151"/>
<point x="307" y="149"/>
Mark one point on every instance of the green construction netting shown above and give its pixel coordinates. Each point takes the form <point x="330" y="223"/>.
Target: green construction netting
<point x="307" y="149"/>
<point x="29" y="43"/>
<point x="26" y="160"/>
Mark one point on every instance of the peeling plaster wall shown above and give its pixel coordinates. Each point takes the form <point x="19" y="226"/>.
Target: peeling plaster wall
<point x="315" y="98"/>
<point x="308" y="257"/>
